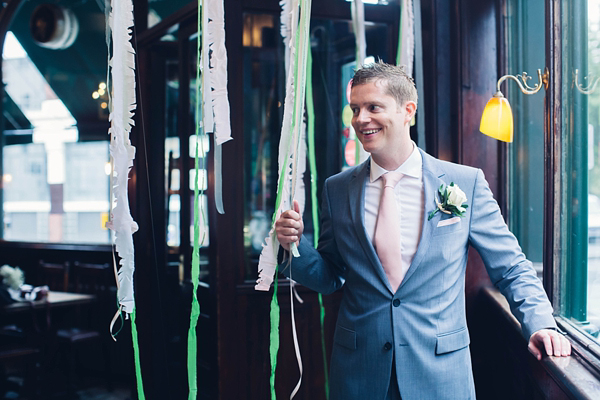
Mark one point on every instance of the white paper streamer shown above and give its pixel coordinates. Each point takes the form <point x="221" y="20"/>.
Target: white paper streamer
<point x="358" y="24"/>
<point x="407" y="37"/>
<point x="286" y="29"/>
<point x="122" y="152"/>
<point x="292" y="147"/>
<point x="214" y="60"/>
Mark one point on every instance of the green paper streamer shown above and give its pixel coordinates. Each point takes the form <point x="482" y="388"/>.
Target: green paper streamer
<point x="399" y="50"/>
<point x="195" y="312"/>
<point x="310" y="111"/>
<point x="274" y="336"/>
<point x="298" y="97"/>
<point x="136" y="357"/>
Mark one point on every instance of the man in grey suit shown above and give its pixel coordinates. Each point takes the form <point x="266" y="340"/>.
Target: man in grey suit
<point x="401" y="330"/>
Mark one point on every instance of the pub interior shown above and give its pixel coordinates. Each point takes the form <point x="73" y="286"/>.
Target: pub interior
<point x="55" y="190"/>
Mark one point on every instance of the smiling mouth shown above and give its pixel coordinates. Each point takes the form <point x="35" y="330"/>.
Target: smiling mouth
<point x="370" y="131"/>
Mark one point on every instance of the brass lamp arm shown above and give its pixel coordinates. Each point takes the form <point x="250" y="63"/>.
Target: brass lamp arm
<point x="525" y="88"/>
<point x="590" y="88"/>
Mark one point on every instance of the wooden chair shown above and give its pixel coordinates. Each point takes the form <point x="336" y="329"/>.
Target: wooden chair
<point x="89" y="279"/>
<point x="54" y="275"/>
<point x="24" y="358"/>
<point x="95" y="279"/>
<point x="20" y="356"/>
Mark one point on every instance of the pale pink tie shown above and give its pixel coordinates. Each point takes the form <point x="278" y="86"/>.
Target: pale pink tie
<point x="387" y="238"/>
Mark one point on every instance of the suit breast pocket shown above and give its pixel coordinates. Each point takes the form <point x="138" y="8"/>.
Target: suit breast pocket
<point x="345" y="337"/>
<point x="443" y="229"/>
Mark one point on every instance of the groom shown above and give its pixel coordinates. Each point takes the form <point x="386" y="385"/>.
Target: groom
<point x="401" y="330"/>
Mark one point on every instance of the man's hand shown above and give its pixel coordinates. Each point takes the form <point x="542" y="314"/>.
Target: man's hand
<point x="289" y="227"/>
<point x="551" y="341"/>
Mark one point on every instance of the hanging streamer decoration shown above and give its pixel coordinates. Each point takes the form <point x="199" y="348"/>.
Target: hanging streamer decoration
<point x="406" y="39"/>
<point x="291" y="142"/>
<point x="122" y="153"/>
<point x="192" y="357"/>
<point x="216" y="113"/>
<point x="358" y="25"/>
<point x="212" y="115"/>
<point x="292" y="161"/>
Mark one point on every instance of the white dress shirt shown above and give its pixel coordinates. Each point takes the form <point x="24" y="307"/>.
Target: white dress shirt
<point x="410" y="199"/>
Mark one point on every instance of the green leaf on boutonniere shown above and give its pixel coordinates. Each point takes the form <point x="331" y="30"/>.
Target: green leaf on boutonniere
<point x="432" y="214"/>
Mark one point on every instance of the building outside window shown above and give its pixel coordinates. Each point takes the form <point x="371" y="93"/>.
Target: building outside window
<point x="55" y="188"/>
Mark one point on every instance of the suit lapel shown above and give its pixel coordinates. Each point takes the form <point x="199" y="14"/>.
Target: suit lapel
<point x="356" y="196"/>
<point x="431" y="183"/>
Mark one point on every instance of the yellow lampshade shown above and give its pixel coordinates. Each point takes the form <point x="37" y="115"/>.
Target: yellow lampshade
<point x="497" y="119"/>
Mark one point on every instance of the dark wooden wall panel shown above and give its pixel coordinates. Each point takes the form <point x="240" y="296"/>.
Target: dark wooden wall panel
<point x="253" y="378"/>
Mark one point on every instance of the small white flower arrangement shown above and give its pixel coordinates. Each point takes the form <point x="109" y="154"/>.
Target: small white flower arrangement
<point x="13" y="277"/>
<point x="452" y="201"/>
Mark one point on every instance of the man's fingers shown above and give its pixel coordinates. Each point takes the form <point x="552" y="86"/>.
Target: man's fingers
<point x="288" y="220"/>
<point x="289" y="232"/>
<point x="289" y="226"/>
<point x="547" y="344"/>
<point x="291" y="214"/>
<point x="297" y="207"/>
<point x="556" y="344"/>
<point x="285" y="223"/>
<point x="553" y="343"/>
<point x="534" y="350"/>
<point x="566" y="346"/>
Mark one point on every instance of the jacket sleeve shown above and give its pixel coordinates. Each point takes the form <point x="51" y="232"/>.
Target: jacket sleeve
<point x="321" y="270"/>
<point x="505" y="262"/>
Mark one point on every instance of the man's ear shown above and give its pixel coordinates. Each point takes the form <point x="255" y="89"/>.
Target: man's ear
<point x="411" y="108"/>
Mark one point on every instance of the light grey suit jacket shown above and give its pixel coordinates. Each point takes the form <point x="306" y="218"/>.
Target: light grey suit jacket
<point x="422" y="327"/>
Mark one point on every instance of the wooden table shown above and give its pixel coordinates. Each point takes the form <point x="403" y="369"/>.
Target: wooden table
<point x="54" y="300"/>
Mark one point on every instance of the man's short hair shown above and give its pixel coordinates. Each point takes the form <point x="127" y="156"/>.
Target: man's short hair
<point x="398" y="83"/>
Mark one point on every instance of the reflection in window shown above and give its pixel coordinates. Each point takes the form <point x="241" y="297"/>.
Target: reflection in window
<point x="591" y="154"/>
<point x="525" y="215"/>
<point x="174" y="159"/>
<point x="55" y="188"/>
<point x="580" y="175"/>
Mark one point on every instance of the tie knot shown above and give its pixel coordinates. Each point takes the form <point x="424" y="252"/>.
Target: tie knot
<point x="391" y="179"/>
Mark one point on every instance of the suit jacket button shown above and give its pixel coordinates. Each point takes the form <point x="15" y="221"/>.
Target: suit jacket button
<point x="396" y="302"/>
<point x="387" y="346"/>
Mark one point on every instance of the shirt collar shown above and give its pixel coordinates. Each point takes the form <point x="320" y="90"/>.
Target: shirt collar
<point x="413" y="166"/>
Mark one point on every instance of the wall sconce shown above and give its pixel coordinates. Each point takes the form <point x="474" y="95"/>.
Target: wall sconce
<point x="497" y="119"/>
<point x="591" y="84"/>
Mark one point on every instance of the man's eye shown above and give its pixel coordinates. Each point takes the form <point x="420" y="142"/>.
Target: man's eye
<point x="355" y="111"/>
<point x="375" y="108"/>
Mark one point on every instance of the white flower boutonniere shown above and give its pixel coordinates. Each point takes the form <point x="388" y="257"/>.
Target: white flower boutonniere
<point x="452" y="201"/>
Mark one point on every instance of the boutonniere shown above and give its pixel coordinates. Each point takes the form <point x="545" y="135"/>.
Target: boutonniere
<point x="452" y="201"/>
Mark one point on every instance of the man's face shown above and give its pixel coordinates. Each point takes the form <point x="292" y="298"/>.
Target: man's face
<point x="382" y="126"/>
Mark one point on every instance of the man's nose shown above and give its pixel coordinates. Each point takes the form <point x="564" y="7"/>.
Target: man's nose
<point x="362" y="117"/>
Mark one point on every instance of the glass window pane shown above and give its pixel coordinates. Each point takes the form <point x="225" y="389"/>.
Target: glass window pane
<point x="580" y="175"/>
<point x="56" y="187"/>
<point x="525" y="30"/>
<point x="58" y="205"/>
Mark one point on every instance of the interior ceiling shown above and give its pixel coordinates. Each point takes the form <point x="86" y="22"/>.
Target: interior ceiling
<point x="14" y="119"/>
<point x="74" y="73"/>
